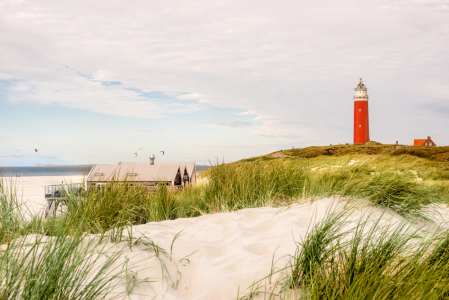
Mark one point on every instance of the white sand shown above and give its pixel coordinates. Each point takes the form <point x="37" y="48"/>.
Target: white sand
<point x="233" y="250"/>
<point x="32" y="189"/>
<point x="228" y="251"/>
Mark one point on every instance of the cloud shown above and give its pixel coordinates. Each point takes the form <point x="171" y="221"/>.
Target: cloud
<point x="439" y="107"/>
<point x="73" y="90"/>
<point x="298" y="60"/>
<point x="235" y="124"/>
<point x="189" y="97"/>
<point x="12" y="156"/>
<point x="108" y="83"/>
<point x="234" y="146"/>
<point x="150" y="131"/>
<point x="194" y="96"/>
<point x="245" y="113"/>
<point x="5" y="138"/>
<point x="176" y="108"/>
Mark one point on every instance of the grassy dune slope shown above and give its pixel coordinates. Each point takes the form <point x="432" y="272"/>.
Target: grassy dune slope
<point x="429" y="162"/>
<point x="437" y="154"/>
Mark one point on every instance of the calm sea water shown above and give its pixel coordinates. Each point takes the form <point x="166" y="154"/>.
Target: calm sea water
<point x="45" y="170"/>
<point x="57" y="170"/>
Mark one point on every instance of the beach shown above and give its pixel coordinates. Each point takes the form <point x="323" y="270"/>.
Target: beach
<point x="31" y="190"/>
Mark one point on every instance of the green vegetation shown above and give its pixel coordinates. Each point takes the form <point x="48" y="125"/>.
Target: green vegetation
<point x="440" y="154"/>
<point x="435" y="154"/>
<point x="404" y="183"/>
<point x="371" y="260"/>
<point x="54" y="258"/>
<point x="408" y="182"/>
<point x="58" y="267"/>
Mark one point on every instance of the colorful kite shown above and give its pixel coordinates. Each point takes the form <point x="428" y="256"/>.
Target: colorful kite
<point x="135" y="154"/>
<point x="35" y="150"/>
<point x="162" y="152"/>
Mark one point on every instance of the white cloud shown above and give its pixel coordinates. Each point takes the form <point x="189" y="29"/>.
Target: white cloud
<point x="234" y="124"/>
<point x="245" y="113"/>
<point x="189" y="97"/>
<point x="193" y="96"/>
<point x="288" y="61"/>
<point x="79" y="92"/>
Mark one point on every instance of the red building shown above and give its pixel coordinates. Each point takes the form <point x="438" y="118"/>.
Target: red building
<point x="424" y="142"/>
<point x="361" y="120"/>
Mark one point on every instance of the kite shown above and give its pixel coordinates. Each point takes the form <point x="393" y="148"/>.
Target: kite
<point x="35" y="150"/>
<point x="140" y="149"/>
<point x="135" y="154"/>
<point x="162" y="152"/>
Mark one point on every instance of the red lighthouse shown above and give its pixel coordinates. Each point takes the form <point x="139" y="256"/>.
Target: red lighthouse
<point x="361" y="122"/>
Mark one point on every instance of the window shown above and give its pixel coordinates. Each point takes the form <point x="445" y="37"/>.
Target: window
<point x="360" y="125"/>
<point x="360" y="110"/>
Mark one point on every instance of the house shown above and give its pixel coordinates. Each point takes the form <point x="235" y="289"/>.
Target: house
<point x="144" y="173"/>
<point x="424" y="142"/>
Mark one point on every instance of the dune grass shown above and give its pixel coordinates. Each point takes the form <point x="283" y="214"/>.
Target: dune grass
<point x="325" y="264"/>
<point x="230" y="187"/>
<point x="58" y="267"/>
<point x="435" y="154"/>
<point x="55" y="259"/>
<point x="371" y="260"/>
<point x="409" y="186"/>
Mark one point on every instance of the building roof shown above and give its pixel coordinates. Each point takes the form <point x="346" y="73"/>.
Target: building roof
<point x="133" y="172"/>
<point x="189" y="166"/>
<point x="140" y="171"/>
<point x="419" y="142"/>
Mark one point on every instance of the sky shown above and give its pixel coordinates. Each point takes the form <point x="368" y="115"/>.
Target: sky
<point x="94" y="82"/>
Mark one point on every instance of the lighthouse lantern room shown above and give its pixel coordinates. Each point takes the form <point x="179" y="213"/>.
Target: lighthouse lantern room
<point x="361" y="121"/>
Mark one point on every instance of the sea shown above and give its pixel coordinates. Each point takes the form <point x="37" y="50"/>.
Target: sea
<point x="58" y="170"/>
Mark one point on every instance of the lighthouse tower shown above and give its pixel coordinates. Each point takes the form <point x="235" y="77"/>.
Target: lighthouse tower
<point x="361" y="122"/>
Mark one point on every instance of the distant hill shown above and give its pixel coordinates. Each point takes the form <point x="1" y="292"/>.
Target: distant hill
<point x="431" y="153"/>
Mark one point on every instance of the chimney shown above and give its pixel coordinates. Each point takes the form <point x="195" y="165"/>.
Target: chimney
<point x="428" y="137"/>
<point x="152" y="157"/>
<point x="397" y="143"/>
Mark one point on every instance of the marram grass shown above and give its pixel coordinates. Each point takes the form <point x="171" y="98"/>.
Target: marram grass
<point x="327" y="264"/>
<point x="371" y="260"/>
<point x="231" y="187"/>
<point x="53" y="259"/>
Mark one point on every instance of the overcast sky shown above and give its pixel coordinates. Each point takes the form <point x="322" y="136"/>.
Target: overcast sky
<point x="94" y="81"/>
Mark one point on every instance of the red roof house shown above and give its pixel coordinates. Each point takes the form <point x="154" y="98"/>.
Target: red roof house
<point x="424" y="142"/>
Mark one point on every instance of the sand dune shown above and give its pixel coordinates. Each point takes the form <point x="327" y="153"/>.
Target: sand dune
<point x="227" y="252"/>
<point x="214" y="256"/>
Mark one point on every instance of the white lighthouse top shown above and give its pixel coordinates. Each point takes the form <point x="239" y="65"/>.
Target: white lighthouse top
<point x="360" y="92"/>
